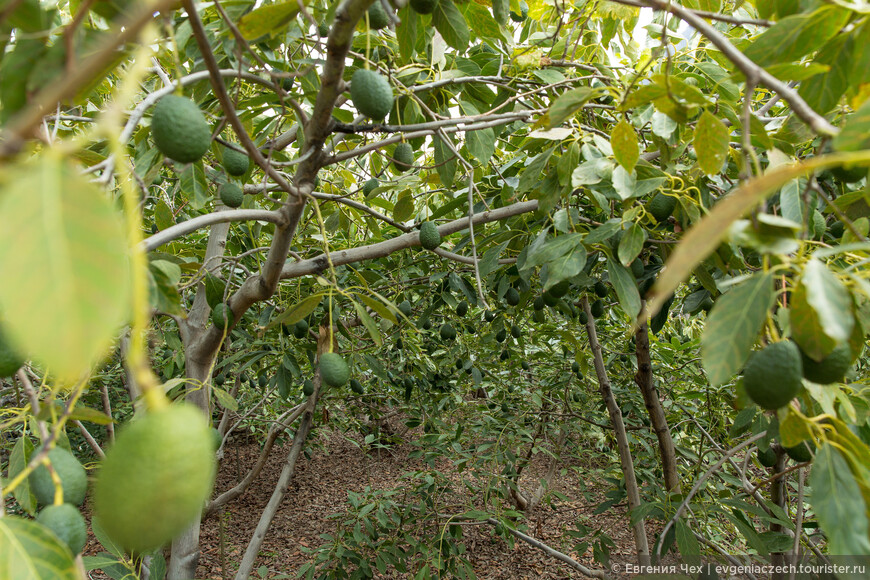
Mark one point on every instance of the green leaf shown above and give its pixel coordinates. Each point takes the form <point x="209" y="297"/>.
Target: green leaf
<point x="29" y="550"/>
<point x="369" y="323"/>
<point x="268" y="19"/>
<point x="552" y="249"/>
<point x="566" y="105"/>
<point x="711" y="143"/>
<point x="533" y="173"/>
<point x="566" y="266"/>
<point x="623" y="140"/>
<point x="840" y="508"/>
<point x="193" y="185"/>
<point x="631" y="244"/>
<point x="830" y="300"/>
<point x="64" y="245"/>
<point x="378" y="307"/>
<point x="855" y="134"/>
<point x="298" y="311"/>
<point x="823" y="91"/>
<point x="796" y="36"/>
<point x="733" y="326"/>
<point x="406" y="33"/>
<point x="18" y="460"/>
<point x="448" y="20"/>
<point x="445" y="161"/>
<point x="690" y="550"/>
<point x="806" y="328"/>
<point x="225" y="399"/>
<point x="626" y="287"/>
<point x="404" y="208"/>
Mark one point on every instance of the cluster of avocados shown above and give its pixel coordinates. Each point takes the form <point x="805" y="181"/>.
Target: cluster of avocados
<point x="64" y="519"/>
<point x="774" y="375"/>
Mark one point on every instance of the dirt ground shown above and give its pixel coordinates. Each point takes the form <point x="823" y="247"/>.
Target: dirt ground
<point x="336" y="466"/>
<point x="320" y="489"/>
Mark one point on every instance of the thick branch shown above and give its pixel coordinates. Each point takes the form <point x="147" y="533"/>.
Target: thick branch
<point x="381" y="249"/>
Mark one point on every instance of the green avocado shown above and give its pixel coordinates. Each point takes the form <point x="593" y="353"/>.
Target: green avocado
<point x="371" y="93"/>
<point x="429" y="236"/>
<point x="772" y="376"/>
<point x="231" y="194"/>
<point x="403" y="157"/>
<point x="179" y="129"/>
<point x="333" y="370"/>
<point x="235" y="162"/>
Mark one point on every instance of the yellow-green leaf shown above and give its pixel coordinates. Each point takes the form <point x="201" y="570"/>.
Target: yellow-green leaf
<point x="711" y="143"/>
<point x="65" y="263"/>
<point x="268" y="19"/>
<point x="623" y="140"/>
<point x="29" y="550"/>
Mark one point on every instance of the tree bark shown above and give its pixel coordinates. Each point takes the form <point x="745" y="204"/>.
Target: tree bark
<point x="625" y="460"/>
<point x="644" y="380"/>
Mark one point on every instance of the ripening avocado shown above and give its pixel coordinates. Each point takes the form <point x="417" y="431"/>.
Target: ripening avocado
<point x="378" y="16"/>
<point x="430" y="238"/>
<point x="235" y="162"/>
<point x="462" y="308"/>
<point x="369" y="186"/>
<point x="371" y="93"/>
<point x="512" y="297"/>
<point x="403" y="157"/>
<point x="501" y="335"/>
<point x="231" y="194"/>
<point x="597" y="309"/>
<point x="179" y="129"/>
<point x="516" y="332"/>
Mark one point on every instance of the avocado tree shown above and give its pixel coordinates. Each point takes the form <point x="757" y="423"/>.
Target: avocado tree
<point x="416" y="209"/>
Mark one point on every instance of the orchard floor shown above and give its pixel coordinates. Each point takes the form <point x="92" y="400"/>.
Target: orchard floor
<point x="320" y="488"/>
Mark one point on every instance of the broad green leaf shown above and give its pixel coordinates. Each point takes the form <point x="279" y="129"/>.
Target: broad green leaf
<point x="445" y="161"/>
<point x="711" y="143"/>
<point x="733" y="326"/>
<point x="793" y="429"/>
<point x="840" y="508"/>
<point x="552" y="249"/>
<point x="378" y="307"/>
<point x="566" y="105"/>
<point x="64" y="245"/>
<point x="624" y="183"/>
<point x="830" y="300"/>
<point x="823" y="91"/>
<point x="796" y="36"/>
<point x="623" y="140"/>
<point x="18" y="460"/>
<point x="193" y="185"/>
<point x="688" y="545"/>
<point x="163" y="216"/>
<point x="29" y="550"/>
<point x="404" y="208"/>
<point x="626" y="287"/>
<point x="298" y="311"/>
<point x="268" y="19"/>
<point x="631" y="244"/>
<point x="17" y="66"/>
<point x="534" y="172"/>
<point x="448" y="20"/>
<point x="806" y="328"/>
<point x="489" y="261"/>
<point x="224" y="399"/>
<point x="855" y="134"/>
<point x="369" y="323"/>
<point x="406" y="33"/>
<point x="566" y="266"/>
<point x="163" y="288"/>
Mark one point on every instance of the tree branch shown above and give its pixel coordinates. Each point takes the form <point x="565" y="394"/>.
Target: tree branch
<point x="379" y="250"/>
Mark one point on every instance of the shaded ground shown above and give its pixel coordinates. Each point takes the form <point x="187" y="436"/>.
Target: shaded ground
<point x="320" y="489"/>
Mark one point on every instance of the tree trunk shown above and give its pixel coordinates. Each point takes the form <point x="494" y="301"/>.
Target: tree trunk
<point x="631" y="489"/>
<point x="644" y="380"/>
<point x="185" y="548"/>
<point x="256" y="542"/>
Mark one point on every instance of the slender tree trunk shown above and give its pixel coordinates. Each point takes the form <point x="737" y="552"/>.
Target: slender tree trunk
<point x="644" y="380"/>
<point x="631" y="489"/>
<point x="256" y="541"/>
<point x="184" y="556"/>
<point x="778" y="496"/>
